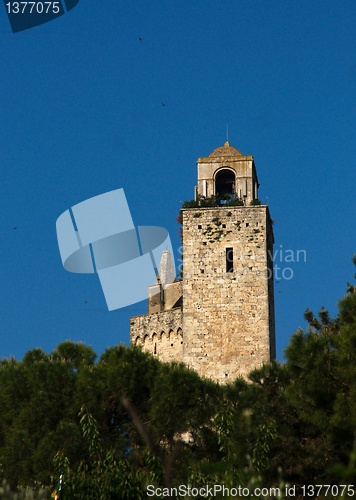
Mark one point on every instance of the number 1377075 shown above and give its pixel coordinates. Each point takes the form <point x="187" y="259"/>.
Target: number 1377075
<point x="329" y="491"/>
<point x="33" y="7"/>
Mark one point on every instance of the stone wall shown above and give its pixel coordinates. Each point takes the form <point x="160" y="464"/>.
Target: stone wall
<point x="228" y="299"/>
<point x="163" y="299"/>
<point x="228" y="319"/>
<point x="159" y="333"/>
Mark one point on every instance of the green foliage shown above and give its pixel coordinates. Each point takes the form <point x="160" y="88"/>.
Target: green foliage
<point x="102" y="474"/>
<point x="202" y="201"/>
<point x="77" y="355"/>
<point x="266" y="433"/>
<point x="321" y="362"/>
<point x="35" y="398"/>
<point x="35" y="493"/>
<point x="227" y="200"/>
<point x="63" y="414"/>
<point x="234" y="201"/>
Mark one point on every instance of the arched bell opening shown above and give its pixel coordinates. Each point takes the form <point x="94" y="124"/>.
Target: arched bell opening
<point x="224" y="183"/>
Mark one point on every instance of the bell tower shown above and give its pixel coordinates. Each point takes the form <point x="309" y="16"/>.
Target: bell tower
<point x="219" y="319"/>
<point x="227" y="172"/>
<point x="228" y="298"/>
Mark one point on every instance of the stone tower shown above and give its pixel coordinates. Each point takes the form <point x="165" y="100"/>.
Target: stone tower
<point x="220" y="319"/>
<point x="228" y="305"/>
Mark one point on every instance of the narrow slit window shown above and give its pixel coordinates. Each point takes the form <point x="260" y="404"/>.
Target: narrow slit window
<point x="229" y="260"/>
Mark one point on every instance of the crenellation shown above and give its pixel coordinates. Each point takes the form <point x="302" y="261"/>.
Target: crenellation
<point x="168" y="324"/>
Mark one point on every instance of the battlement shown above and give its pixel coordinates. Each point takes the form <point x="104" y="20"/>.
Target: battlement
<point x="159" y="333"/>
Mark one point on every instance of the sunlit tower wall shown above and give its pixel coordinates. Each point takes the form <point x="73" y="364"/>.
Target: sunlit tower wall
<point x="228" y="298"/>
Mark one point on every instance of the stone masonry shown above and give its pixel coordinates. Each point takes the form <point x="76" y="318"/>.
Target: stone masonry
<point x="228" y="318"/>
<point x="219" y="319"/>
<point x="159" y="333"/>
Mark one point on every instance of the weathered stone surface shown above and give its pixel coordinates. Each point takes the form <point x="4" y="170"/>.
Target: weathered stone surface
<point x="228" y="159"/>
<point x="228" y="318"/>
<point x="225" y="327"/>
<point x="159" y="333"/>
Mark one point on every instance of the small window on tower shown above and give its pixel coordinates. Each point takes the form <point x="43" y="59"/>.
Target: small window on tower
<point x="229" y="260"/>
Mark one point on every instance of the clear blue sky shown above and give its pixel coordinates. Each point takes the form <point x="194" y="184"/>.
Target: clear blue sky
<point x="81" y="114"/>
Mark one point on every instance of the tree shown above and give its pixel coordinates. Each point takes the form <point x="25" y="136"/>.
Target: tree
<point x="65" y="414"/>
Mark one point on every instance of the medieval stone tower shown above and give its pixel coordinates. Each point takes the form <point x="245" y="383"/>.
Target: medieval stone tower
<point x="219" y="319"/>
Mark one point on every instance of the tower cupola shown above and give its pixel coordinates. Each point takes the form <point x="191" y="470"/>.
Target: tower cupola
<point x="227" y="172"/>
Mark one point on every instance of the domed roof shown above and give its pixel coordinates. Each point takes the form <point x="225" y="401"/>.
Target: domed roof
<point x="225" y="150"/>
